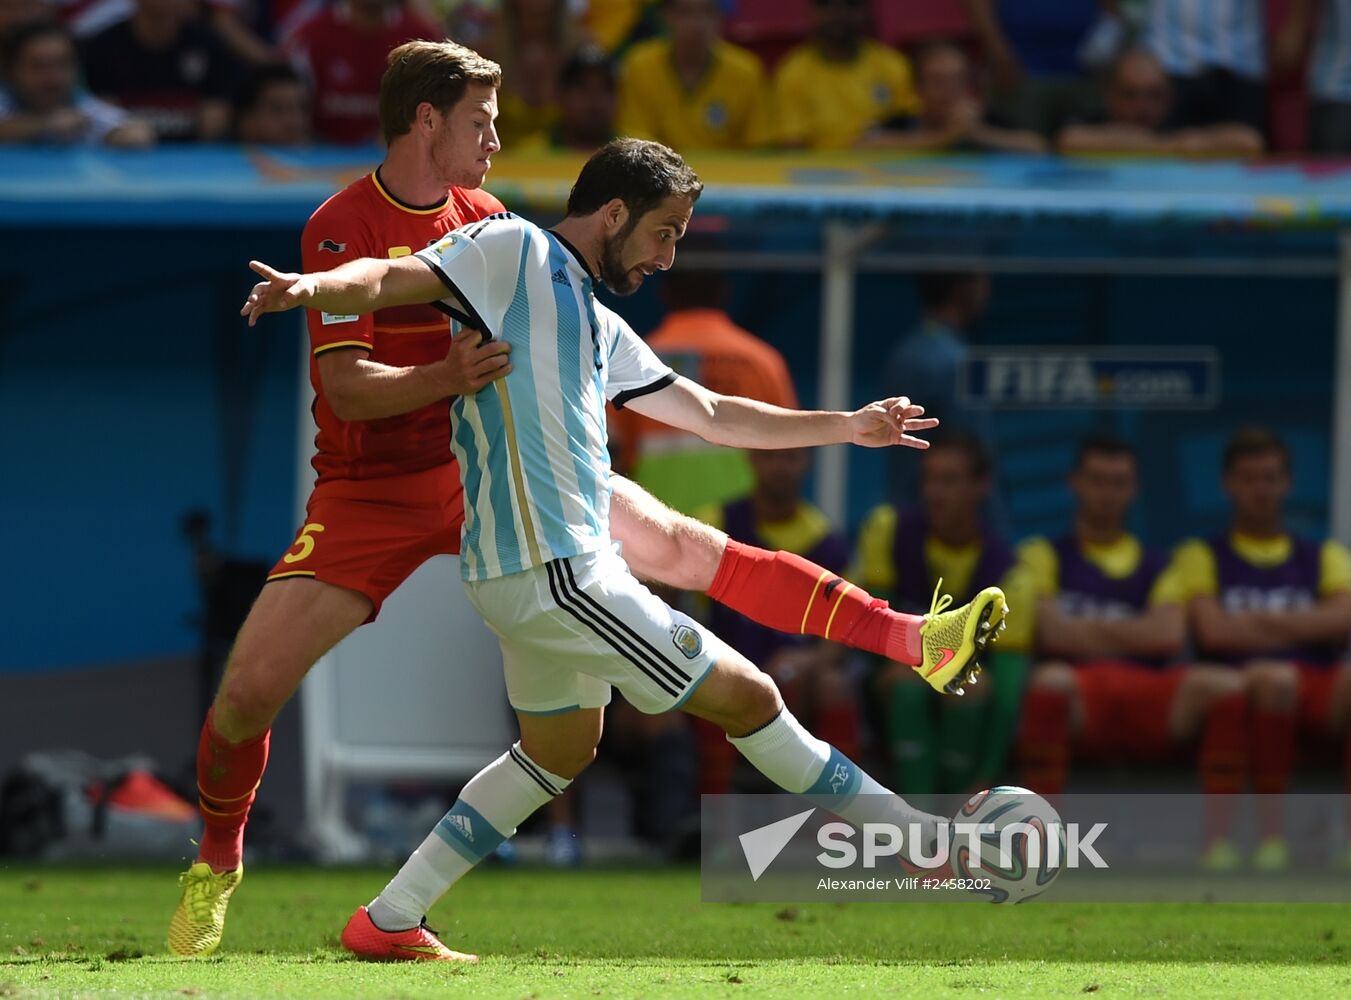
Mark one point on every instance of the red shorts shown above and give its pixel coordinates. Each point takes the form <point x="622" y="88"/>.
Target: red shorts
<point x="369" y="535"/>
<point x="1126" y="710"/>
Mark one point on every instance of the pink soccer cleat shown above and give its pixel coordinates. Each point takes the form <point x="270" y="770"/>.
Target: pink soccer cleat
<point x="417" y="944"/>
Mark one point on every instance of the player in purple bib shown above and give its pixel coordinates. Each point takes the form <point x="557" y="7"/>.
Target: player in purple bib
<point x="1110" y="626"/>
<point x="1277" y="609"/>
<point x="902" y="554"/>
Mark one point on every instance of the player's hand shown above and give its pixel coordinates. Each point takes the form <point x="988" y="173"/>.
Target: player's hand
<point x="891" y="421"/>
<point x="65" y="124"/>
<point x="471" y="364"/>
<point x="966" y="118"/>
<point x="282" y="290"/>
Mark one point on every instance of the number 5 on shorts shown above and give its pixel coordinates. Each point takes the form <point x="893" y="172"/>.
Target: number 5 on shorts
<point x="305" y="543"/>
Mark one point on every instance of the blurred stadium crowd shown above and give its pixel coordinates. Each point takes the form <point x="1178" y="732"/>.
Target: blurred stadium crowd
<point x="1143" y="76"/>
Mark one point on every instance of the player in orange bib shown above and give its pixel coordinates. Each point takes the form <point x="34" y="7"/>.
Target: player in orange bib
<point x="389" y="496"/>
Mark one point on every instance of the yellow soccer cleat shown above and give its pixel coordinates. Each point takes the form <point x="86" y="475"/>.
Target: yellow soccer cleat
<point x="1272" y="855"/>
<point x="196" y="927"/>
<point x="953" y="639"/>
<point x="1221" y="856"/>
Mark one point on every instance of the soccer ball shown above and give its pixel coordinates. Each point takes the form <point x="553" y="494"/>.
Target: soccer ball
<point x="1032" y="861"/>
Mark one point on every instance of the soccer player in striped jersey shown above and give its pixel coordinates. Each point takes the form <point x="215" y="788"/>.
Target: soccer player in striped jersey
<point x="388" y="495"/>
<point x="538" y="557"/>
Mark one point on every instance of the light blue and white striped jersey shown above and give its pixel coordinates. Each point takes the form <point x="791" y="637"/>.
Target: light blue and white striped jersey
<point x="533" y="447"/>
<point x="1330" y="67"/>
<point x="1191" y="36"/>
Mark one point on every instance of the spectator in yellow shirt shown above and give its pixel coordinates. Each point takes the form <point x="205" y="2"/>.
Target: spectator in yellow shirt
<point x="611" y="23"/>
<point x="532" y="40"/>
<point x="692" y="90"/>
<point x="837" y="88"/>
<point x="586" y="105"/>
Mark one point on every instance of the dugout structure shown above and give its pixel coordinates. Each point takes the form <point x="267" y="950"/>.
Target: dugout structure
<point x="856" y="223"/>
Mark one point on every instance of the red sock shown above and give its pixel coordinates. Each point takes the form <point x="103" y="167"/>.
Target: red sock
<point x="788" y="593"/>
<point x="1223" y="762"/>
<point x="1044" y="740"/>
<point x="227" y="779"/>
<point x="1274" y="736"/>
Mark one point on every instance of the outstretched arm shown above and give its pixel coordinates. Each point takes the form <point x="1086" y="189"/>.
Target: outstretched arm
<point x="359" y="286"/>
<point x="747" y="423"/>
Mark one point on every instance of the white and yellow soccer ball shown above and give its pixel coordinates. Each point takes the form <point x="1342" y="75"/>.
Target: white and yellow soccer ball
<point x="1009" y="843"/>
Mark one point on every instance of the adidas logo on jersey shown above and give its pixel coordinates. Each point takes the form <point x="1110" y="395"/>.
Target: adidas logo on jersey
<point x="462" y="824"/>
<point x="560" y="277"/>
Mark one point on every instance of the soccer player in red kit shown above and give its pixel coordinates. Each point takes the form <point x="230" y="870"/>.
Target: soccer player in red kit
<point x="389" y="497"/>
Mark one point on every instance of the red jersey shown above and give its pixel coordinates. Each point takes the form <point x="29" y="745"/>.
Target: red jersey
<point x="345" y="63"/>
<point x="364" y="220"/>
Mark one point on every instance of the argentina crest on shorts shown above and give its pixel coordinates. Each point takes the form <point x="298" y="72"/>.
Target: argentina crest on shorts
<point x="688" y="640"/>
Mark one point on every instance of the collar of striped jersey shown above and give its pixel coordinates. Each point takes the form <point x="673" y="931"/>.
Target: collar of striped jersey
<point x="576" y="255"/>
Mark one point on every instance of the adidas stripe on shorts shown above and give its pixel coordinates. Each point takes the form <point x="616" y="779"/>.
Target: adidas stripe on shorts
<point x="573" y="628"/>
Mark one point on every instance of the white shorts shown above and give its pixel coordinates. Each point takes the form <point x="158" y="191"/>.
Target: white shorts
<point x="574" y="627"/>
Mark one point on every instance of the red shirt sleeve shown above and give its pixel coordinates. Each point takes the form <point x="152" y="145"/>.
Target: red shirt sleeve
<point x="333" y="237"/>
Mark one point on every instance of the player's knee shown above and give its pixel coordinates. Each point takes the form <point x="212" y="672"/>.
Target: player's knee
<point x="243" y="708"/>
<point x="1212" y="685"/>
<point x="1272" y="684"/>
<point x="758" y="702"/>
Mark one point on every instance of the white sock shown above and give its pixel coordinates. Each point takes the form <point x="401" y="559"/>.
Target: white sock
<point x="798" y="762"/>
<point x="490" y="807"/>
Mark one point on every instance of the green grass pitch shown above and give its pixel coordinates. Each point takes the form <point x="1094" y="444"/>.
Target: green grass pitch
<point x="100" y="932"/>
